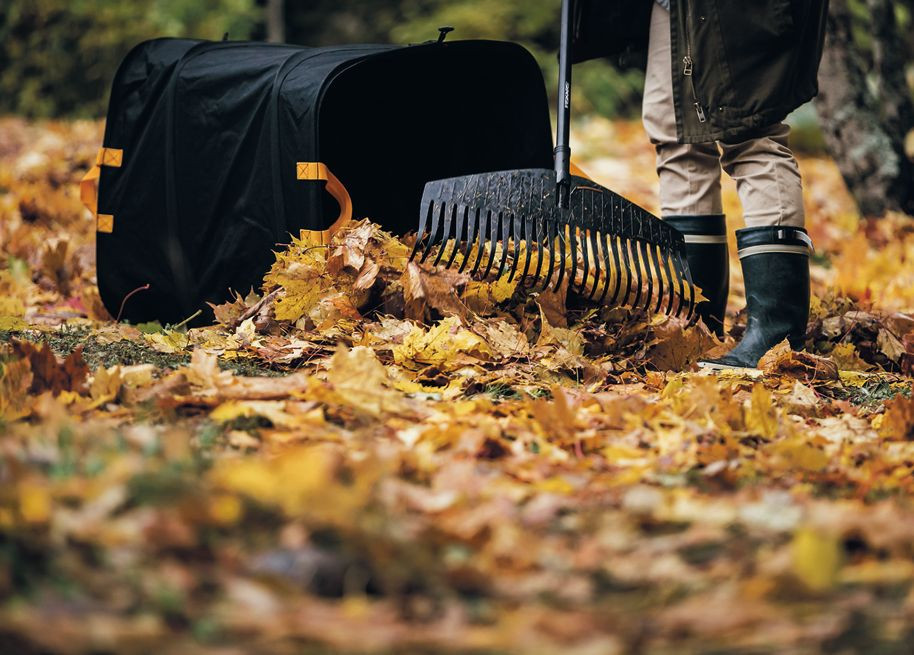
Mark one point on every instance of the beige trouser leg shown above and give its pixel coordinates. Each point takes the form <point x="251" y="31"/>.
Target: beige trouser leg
<point x="689" y="173"/>
<point x="767" y="178"/>
<point x="766" y="173"/>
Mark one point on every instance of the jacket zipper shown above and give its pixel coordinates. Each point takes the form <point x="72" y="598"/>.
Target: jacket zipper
<point x="688" y="65"/>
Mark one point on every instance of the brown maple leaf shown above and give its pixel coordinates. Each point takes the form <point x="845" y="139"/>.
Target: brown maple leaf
<point x="781" y="360"/>
<point x="898" y="422"/>
<point x="50" y="374"/>
<point x="435" y="289"/>
<point x="229" y="313"/>
<point x="54" y="268"/>
<point x="15" y="380"/>
<point x="552" y="302"/>
<point x="676" y="345"/>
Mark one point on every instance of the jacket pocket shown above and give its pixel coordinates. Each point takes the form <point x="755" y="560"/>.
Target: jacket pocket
<point x="755" y="24"/>
<point x="756" y="39"/>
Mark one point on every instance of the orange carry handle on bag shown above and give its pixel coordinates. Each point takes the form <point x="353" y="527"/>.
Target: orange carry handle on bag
<point x="318" y="171"/>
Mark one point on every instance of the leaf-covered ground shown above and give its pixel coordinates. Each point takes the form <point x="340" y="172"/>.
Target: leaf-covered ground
<point x="370" y="456"/>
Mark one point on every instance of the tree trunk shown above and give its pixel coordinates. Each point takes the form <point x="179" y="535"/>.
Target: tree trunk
<point x="276" y="21"/>
<point x="865" y="125"/>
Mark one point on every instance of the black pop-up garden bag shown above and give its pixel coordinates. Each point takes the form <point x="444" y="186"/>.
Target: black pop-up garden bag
<point x="215" y="152"/>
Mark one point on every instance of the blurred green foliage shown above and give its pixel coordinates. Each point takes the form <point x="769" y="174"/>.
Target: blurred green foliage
<point x="57" y="57"/>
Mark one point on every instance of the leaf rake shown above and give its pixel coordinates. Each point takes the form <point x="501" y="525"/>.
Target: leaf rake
<point x="606" y="244"/>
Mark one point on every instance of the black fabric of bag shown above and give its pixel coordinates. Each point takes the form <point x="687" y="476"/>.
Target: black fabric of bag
<point x="211" y="133"/>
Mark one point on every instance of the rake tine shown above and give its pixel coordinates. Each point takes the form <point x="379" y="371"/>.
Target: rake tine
<point x="494" y="220"/>
<point x="481" y="239"/>
<point x="614" y="246"/>
<point x="669" y="278"/>
<point x="637" y="281"/>
<point x="542" y="247"/>
<point x="636" y="259"/>
<point x="460" y="226"/>
<point x="562" y="257"/>
<point x="450" y="215"/>
<point x="542" y="236"/>
<point x="472" y="227"/>
<point x="595" y="249"/>
<point x="466" y="223"/>
<point x="622" y="218"/>
<point x="691" y="286"/>
<point x="506" y="222"/>
<point x="421" y="234"/>
<point x="622" y="245"/>
<point x="433" y="232"/>
<point x="573" y="242"/>
<point x="586" y="271"/>
<point x="529" y="238"/>
<point x="551" y="234"/>
<point x="661" y="289"/>
<point x="677" y="269"/>
<point x="517" y="228"/>
<point x="648" y="274"/>
<point x="604" y="242"/>
<point x="648" y="295"/>
<point x="683" y="300"/>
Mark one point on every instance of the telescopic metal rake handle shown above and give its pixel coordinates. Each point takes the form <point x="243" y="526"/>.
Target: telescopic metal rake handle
<point x="563" y="115"/>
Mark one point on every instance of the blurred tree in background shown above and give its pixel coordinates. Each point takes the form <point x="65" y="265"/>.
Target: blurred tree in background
<point x="865" y="101"/>
<point x="57" y="57"/>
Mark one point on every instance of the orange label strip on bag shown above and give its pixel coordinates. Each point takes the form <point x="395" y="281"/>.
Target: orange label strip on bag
<point x="317" y="171"/>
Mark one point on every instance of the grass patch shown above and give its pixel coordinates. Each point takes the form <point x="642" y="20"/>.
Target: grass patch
<point x="125" y="353"/>
<point x="874" y="393"/>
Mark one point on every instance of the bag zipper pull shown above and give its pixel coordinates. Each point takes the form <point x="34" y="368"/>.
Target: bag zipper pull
<point x="687" y="66"/>
<point x="701" y="113"/>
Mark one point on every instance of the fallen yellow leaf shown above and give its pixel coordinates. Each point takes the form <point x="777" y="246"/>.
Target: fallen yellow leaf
<point x="816" y="559"/>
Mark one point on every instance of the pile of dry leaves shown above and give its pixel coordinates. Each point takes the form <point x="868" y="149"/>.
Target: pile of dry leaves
<point x="372" y="455"/>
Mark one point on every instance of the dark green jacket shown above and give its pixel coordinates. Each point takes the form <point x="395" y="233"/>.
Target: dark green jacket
<point x="752" y="61"/>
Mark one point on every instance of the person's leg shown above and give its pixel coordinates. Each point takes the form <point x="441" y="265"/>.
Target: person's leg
<point x="774" y="247"/>
<point x="767" y="178"/>
<point x="689" y="173"/>
<point x="690" y="198"/>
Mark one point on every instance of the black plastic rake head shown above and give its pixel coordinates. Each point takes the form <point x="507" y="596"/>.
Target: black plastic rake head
<point x="511" y="222"/>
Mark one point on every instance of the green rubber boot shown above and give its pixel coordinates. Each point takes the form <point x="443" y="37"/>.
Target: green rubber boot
<point x="775" y="263"/>
<point x="709" y="263"/>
